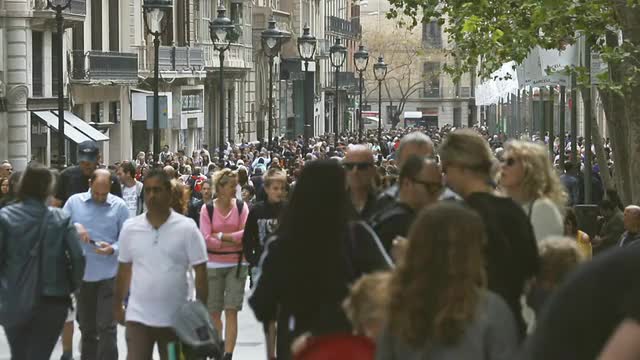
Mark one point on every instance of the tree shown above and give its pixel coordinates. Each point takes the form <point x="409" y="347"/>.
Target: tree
<point x="489" y="33"/>
<point x="404" y="55"/>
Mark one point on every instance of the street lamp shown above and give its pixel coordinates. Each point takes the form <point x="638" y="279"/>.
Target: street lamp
<point x="59" y="6"/>
<point x="272" y="40"/>
<point x="154" y="11"/>
<point x="380" y="72"/>
<point x="219" y="30"/>
<point x="361" y="60"/>
<point x="338" y="54"/>
<point x="307" y="49"/>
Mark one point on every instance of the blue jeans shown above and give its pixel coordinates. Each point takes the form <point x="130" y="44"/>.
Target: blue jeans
<point x="36" y="338"/>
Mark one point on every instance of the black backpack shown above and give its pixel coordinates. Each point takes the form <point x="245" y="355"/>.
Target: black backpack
<point x="210" y="209"/>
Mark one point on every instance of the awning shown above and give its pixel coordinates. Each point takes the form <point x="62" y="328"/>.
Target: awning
<point x="71" y="119"/>
<point x="69" y="132"/>
<point x="372" y="119"/>
<point x="413" y="114"/>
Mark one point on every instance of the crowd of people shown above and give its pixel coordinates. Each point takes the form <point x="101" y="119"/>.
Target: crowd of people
<point x="424" y="243"/>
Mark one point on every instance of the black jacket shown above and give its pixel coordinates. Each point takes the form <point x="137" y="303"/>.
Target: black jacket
<point x="62" y="259"/>
<point x="272" y="297"/>
<point x="392" y="222"/>
<point x="262" y="222"/>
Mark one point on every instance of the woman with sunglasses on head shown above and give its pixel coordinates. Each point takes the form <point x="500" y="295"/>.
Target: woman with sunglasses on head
<point x="511" y="250"/>
<point x="527" y="176"/>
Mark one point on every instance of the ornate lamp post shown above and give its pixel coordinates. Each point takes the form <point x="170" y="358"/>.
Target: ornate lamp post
<point x="154" y="11"/>
<point x="338" y="54"/>
<point x="59" y="6"/>
<point x="219" y="30"/>
<point x="307" y="48"/>
<point x="272" y="40"/>
<point x="361" y="60"/>
<point x="380" y="72"/>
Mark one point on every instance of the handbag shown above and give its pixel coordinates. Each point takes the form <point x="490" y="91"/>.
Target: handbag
<point x="20" y="296"/>
<point x="198" y="337"/>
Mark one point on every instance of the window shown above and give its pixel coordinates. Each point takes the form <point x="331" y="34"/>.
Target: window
<point x="114" y="26"/>
<point x="96" y="112"/>
<point x="55" y="46"/>
<point x="431" y="74"/>
<point x="114" y="112"/>
<point x="192" y="100"/>
<point x="431" y="34"/>
<point x="457" y="117"/>
<point x="96" y="24"/>
<point x="36" y="53"/>
<point x="236" y="13"/>
<point x="390" y="111"/>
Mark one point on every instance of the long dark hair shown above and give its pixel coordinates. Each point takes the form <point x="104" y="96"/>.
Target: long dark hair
<point x="312" y="233"/>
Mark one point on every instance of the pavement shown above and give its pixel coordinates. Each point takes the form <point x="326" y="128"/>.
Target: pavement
<point x="250" y="344"/>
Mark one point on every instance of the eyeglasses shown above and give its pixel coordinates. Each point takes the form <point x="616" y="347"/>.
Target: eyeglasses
<point x="360" y="166"/>
<point x="509" y="161"/>
<point x="431" y="187"/>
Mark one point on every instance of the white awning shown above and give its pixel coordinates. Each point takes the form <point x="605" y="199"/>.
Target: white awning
<point x="413" y="114"/>
<point x="70" y="132"/>
<point x="372" y="119"/>
<point x="71" y="119"/>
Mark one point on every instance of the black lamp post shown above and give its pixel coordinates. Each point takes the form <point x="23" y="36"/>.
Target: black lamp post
<point x="380" y="72"/>
<point x="338" y="54"/>
<point x="59" y="6"/>
<point x="154" y="11"/>
<point x="307" y="49"/>
<point x="361" y="60"/>
<point x="219" y="30"/>
<point x="272" y="40"/>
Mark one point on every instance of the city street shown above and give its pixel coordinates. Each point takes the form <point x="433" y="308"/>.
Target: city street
<point x="250" y="339"/>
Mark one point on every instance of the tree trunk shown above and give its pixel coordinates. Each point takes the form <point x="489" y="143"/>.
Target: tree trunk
<point x="600" y="156"/>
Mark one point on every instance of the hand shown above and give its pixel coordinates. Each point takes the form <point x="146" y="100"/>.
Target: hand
<point x="104" y="249"/>
<point x="118" y="314"/>
<point x="226" y="238"/>
<point x="82" y="232"/>
<point x="399" y="248"/>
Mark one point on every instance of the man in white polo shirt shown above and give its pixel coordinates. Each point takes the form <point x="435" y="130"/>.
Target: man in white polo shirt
<point x="157" y="249"/>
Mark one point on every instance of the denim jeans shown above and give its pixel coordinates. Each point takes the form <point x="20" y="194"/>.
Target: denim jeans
<point x="95" y="317"/>
<point x="36" y="338"/>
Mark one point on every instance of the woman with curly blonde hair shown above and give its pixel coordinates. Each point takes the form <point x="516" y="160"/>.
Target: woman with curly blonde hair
<point x="527" y="176"/>
<point x="439" y="305"/>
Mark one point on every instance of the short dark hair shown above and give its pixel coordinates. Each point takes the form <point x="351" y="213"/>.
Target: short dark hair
<point x="159" y="174"/>
<point x="128" y="167"/>
<point x="568" y="166"/>
<point x="607" y="204"/>
<point x="411" y="167"/>
<point x="250" y="189"/>
<point x="36" y="182"/>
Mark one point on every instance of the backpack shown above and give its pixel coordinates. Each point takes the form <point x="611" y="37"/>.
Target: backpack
<point x="210" y="209"/>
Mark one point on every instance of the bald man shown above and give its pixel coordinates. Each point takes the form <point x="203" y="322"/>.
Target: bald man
<point x="420" y="185"/>
<point x="359" y="166"/>
<point x="98" y="216"/>
<point x="631" y="226"/>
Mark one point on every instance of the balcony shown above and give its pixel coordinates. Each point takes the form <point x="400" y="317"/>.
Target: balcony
<point x="76" y="11"/>
<point x="344" y="27"/>
<point x="346" y="80"/>
<point x="180" y="58"/>
<point x="239" y="56"/>
<point x="104" y="66"/>
<point x="433" y="92"/>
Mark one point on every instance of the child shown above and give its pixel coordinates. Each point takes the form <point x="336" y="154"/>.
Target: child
<point x="261" y="223"/>
<point x="366" y="304"/>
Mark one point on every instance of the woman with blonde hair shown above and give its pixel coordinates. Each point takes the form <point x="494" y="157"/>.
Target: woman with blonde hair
<point x="439" y="305"/>
<point x="527" y="176"/>
<point x="222" y="223"/>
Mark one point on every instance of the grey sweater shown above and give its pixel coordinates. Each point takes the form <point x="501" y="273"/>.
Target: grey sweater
<point x="492" y="335"/>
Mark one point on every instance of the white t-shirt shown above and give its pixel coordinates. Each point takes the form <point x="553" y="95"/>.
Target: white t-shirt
<point x="130" y="197"/>
<point x="160" y="260"/>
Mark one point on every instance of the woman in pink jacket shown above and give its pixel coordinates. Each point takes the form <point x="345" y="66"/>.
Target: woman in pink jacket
<point x="222" y="225"/>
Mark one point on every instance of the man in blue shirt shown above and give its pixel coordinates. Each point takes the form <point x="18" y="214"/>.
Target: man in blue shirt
<point x="98" y="217"/>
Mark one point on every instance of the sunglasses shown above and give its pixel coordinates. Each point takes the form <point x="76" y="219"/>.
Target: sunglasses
<point x="431" y="187"/>
<point x="361" y="166"/>
<point x="509" y="161"/>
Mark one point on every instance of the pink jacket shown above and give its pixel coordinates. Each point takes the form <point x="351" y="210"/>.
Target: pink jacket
<point x="233" y="223"/>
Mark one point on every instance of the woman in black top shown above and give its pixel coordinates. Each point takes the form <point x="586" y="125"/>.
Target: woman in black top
<point x="310" y="262"/>
<point x="511" y="252"/>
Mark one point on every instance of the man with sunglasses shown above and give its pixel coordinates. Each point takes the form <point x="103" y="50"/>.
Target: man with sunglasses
<point x="359" y="166"/>
<point x="420" y="185"/>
